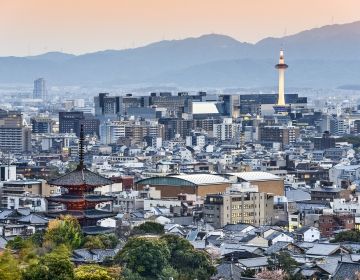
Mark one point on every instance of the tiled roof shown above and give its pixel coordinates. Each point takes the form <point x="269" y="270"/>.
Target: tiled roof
<point x="346" y="270"/>
<point x="33" y="219"/>
<point x="254" y="262"/>
<point x="81" y="177"/>
<point x="323" y="249"/>
<point x="228" y="271"/>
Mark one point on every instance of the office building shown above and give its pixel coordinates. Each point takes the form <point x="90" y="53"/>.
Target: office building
<point x="40" y="91"/>
<point x="41" y="125"/>
<point x="70" y="122"/>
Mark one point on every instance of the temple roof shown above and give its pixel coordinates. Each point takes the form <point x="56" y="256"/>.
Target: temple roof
<point x="90" y="230"/>
<point x="79" y="177"/>
<point x="79" y="198"/>
<point x="87" y="213"/>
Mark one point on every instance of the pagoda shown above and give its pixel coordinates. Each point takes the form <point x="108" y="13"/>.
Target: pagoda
<point x="78" y="195"/>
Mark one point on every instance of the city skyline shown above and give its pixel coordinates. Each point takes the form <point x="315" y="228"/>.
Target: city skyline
<point x="35" y="27"/>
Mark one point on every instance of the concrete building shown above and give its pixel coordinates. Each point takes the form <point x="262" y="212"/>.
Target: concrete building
<point x="266" y="182"/>
<point x="329" y="194"/>
<point x="254" y="208"/>
<point x="331" y="223"/>
<point x="344" y="175"/>
<point x="41" y="124"/>
<point x="326" y="141"/>
<point x="284" y="135"/>
<point x="27" y="194"/>
<point x="7" y="173"/>
<point x="227" y="130"/>
<point x="15" y="137"/>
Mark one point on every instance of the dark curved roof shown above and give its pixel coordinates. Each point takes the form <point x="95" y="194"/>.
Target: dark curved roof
<point x="80" y="177"/>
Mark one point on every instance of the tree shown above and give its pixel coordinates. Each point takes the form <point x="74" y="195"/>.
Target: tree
<point x="186" y="260"/>
<point x="91" y="272"/>
<point x="248" y="273"/>
<point x="66" y="231"/>
<point x="53" y="266"/>
<point x="59" y="264"/>
<point x="9" y="267"/>
<point x="149" y="228"/>
<point x="93" y="242"/>
<point x="36" y="271"/>
<point x="350" y="235"/>
<point x="145" y="256"/>
<point x="109" y="240"/>
<point x="17" y="243"/>
<point x="283" y="261"/>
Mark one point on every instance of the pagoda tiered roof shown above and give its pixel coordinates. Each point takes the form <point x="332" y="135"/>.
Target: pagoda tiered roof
<point x="80" y="214"/>
<point x="81" y="176"/>
<point x="79" y="198"/>
<point x="89" y="230"/>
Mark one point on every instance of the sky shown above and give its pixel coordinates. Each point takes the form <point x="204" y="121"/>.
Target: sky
<point x="30" y="27"/>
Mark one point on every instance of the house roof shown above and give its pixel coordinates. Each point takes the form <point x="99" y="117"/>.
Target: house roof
<point x="346" y="270"/>
<point x="236" y="227"/>
<point x="323" y="249"/>
<point x="254" y="262"/>
<point x="228" y="270"/>
<point x="33" y="219"/>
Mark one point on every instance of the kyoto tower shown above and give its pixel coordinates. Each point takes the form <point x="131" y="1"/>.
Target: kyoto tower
<point x="281" y="107"/>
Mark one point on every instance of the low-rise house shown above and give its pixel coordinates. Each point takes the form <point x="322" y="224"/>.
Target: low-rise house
<point x="255" y="264"/>
<point x="326" y="249"/>
<point x="307" y="234"/>
<point x="20" y="222"/>
<point x="284" y="246"/>
<point x="346" y="270"/>
<point x="279" y="236"/>
<point x="228" y="270"/>
<point x="92" y="256"/>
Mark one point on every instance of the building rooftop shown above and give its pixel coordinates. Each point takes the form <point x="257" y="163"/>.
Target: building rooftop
<point x="205" y="108"/>
<point x="202" y="179"/>
<point x="255" y="176"/>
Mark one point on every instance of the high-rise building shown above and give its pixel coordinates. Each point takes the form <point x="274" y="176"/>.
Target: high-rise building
<point x="14" y="136"/>
<point x="41" y="124"/>
<point x="40" y="91"/>
<point x="70" y="122"/>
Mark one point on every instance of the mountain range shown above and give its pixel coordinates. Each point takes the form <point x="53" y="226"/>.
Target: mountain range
<point x="328" y="56"/>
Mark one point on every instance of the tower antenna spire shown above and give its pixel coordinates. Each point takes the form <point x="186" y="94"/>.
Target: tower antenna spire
<point x="81" y="147"/>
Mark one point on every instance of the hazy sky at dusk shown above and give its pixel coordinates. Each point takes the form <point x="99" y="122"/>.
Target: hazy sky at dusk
<point x="80" y="26"/>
